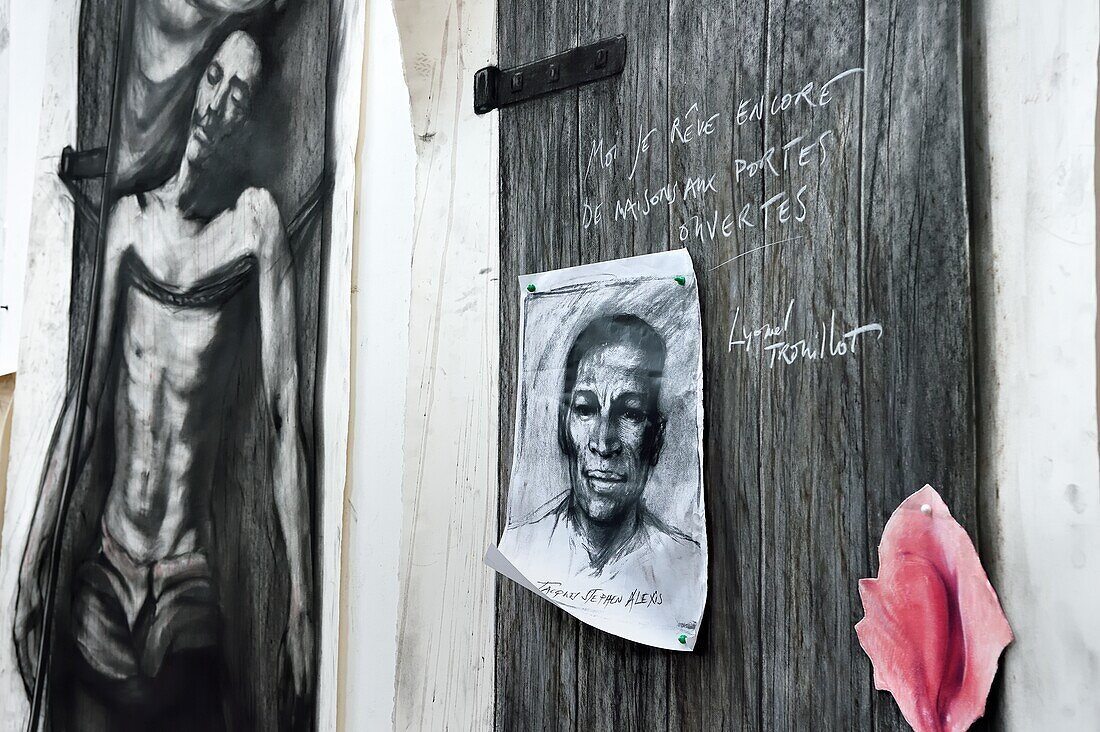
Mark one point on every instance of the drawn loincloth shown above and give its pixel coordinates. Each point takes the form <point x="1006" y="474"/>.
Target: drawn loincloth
<point x="129" y="616"/>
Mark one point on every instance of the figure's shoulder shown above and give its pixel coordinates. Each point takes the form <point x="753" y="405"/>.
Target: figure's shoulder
<point x="550" y="511"/>
<point x="127" y="215"/>
<point x="669" y="539"/>
<point x="258" y="200"/>
<point x="126" y="210"/>
<point x="537" y="530"/>
<point x="259" y="206"/>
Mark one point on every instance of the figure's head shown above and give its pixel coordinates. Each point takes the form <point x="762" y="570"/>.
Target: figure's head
<point x="224" y="97"/>
<point x="610" y="426"/>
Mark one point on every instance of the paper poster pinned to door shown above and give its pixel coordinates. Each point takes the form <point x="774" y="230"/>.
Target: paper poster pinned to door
<point x="605" y="503"/>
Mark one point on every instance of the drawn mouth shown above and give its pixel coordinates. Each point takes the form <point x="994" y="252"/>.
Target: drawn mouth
<point x="605" y="479"/>
<point x="202" y="136"/>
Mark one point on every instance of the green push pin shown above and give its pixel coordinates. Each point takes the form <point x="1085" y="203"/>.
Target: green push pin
<point x="681" y="280"/>
<point x="531" y="287"/>
<point x="683" y="638"/>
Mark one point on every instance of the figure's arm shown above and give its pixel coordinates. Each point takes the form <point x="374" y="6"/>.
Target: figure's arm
<point x="33" y="574"/>
<point x="278" y="335"/>
<point x="118" y="232"/>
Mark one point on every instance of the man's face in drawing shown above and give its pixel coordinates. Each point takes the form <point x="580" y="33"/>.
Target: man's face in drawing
<point x="611" y="427"/>
<point x="224" y="97"/>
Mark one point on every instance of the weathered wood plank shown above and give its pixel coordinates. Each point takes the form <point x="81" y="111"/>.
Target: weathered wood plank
<point x="813" y="530"/>
<point x="536" y="644"/>
<point x="445" y="621"/>
<point x="716" y="56"/>
<point x="915" y="271"/>
<point x="804" y="460"/>
<point x="619" y="684"/>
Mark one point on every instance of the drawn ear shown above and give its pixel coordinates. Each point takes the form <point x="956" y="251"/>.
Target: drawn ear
<point x="563" y="427"/>
<point x="658" y="440"/>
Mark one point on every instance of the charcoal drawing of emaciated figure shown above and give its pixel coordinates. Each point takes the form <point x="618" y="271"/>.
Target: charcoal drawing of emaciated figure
<point x="610" y="432"/>
<point x="168" y="41"/>
<point x="190" y="268"/>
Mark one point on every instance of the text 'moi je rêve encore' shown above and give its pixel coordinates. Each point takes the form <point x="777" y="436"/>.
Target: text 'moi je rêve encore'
<point x="774" y="198"/>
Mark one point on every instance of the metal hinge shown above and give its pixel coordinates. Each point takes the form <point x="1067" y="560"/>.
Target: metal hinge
<point x="494" y="88"/>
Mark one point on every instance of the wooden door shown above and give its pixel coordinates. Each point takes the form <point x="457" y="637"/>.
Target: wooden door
<point x="864" y="224"/>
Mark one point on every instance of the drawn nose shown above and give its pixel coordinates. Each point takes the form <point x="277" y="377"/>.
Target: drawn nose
<point x="604" y="440"/>
<point x="217" y="103"/>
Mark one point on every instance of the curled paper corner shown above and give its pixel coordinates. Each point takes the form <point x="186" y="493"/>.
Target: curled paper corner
<point x="681" y="640"/>
<point x="933" y="626"/>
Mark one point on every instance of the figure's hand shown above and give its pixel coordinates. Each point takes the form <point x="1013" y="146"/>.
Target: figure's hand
<point x="28" y="622"/>
<point x="299" y="645"/>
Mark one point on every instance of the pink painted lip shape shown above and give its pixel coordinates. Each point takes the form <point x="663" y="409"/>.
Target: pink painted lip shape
<point x="933" y="626"/>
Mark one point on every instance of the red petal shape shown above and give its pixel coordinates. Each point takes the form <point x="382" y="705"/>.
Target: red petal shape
<point x="932" y="625"/>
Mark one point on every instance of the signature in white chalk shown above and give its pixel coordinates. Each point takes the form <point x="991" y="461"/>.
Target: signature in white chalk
<point x="773" y="340"/>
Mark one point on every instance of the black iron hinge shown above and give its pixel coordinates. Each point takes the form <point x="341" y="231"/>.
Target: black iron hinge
<point x="494" y="88"/>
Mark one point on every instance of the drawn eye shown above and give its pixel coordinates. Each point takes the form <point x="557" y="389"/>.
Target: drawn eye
<point x="239" y="101"/>
<point x="214" y="73"/>
<point x="584" y="408"/>
<point x="637" y="416"/>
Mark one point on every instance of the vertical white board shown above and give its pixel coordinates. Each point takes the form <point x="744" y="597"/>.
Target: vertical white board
<point x="1034" y="116"/>
<point x="23" y="52"/>
<point x="445" y="632"/>
<point x="380" y="306"/>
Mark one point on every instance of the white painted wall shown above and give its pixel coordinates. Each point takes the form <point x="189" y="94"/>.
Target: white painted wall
<point x="383" y="281"/>
<point x="23" y="62"/>
<point x="336" y="376"/>
<point x="445" y="653"/>
<point x="44" y="357"/>
<point x="1035" y="247"/>
<point x="5" y="98"/>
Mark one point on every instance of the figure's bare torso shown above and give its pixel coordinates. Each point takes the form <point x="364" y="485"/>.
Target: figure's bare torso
<point x="181" y="290"/>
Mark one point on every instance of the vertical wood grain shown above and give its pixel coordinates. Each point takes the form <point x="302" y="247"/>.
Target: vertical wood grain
<point x="536" y="672"/>
<point x="919" y="404"/>
<point x="812" y="479"/>
<point x="621" y="685"/>
<point x="445" y="619"/>
<point x="716" y="50"/>
<point x="803" y="462"/>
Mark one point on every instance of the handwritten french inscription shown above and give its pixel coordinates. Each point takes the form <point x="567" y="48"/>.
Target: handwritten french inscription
<point x="770" y="206"/>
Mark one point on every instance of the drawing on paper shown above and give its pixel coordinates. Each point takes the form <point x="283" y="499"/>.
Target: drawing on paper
<point x="605" y="502"/>
<point x="610" y="432"/>
<point x="168" y="581"/>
